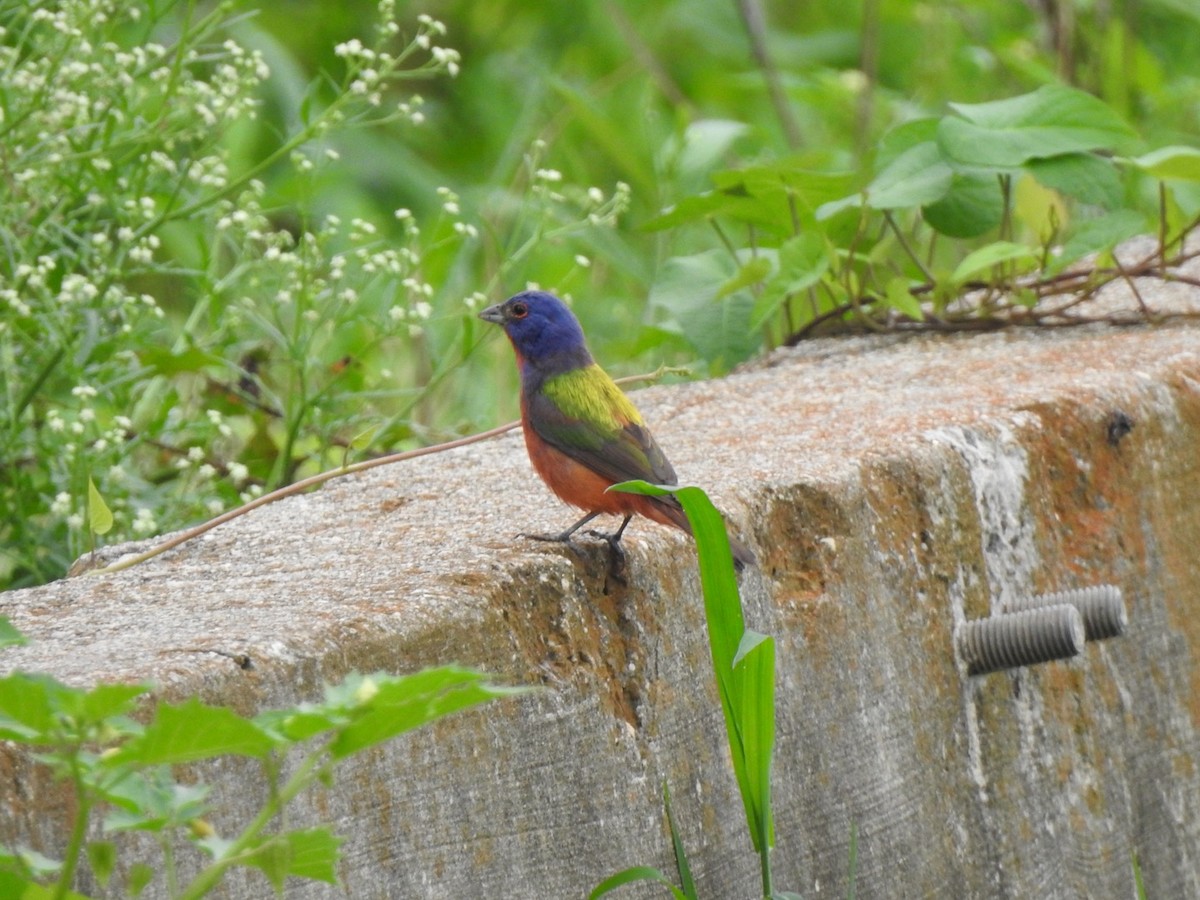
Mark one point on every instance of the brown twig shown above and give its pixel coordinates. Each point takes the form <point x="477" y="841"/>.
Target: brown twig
<point x="315" y="480"/>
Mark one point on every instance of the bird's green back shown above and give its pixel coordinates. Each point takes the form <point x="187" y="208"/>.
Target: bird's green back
<point x="589" y="395"/>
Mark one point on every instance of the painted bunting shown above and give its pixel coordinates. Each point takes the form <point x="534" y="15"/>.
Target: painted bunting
<point x="582" y="433"/>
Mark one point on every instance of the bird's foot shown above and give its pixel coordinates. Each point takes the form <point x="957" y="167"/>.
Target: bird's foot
<point x="613" y="541"/>
<point x="616" y="559"/>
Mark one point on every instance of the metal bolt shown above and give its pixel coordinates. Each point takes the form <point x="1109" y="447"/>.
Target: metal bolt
<point x="1102" y="608"/>
<point x="1020" y="638"/>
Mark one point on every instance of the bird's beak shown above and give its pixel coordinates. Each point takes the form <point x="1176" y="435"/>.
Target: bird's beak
<point x="493" y="314"/>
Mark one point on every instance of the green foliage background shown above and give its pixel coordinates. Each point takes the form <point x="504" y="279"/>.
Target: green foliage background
<point x="224" y="396"/>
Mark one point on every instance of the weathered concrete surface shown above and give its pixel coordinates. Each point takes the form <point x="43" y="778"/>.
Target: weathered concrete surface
<point x="891" y="486"/>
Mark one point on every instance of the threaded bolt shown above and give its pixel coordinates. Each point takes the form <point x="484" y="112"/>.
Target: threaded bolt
<point x="1020" y="638"/>
<point x="1102" y="607"/>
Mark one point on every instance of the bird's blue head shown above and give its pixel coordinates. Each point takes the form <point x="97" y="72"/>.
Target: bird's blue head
<point x="543" y="331"/>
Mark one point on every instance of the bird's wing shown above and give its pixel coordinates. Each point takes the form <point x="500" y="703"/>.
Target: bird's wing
<point x="586" y="416"/>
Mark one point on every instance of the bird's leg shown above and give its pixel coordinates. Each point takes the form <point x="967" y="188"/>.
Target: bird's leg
<point x="564" y="537"/>
<point x="613" y="539"/>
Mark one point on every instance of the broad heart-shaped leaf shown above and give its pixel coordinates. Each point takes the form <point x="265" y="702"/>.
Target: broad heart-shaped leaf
<point x="1170" y="162"/>
<point x="1084" y="176"/>
<point x="803" y="260"/>
<point x="1051" y="121"/>
<point x="191" y="731"/>
<point x="1101" y="233"/>
<point x="902" y="138"/>
<point x="985" y="258"/>
<point x="973" y="205"/>
<point x="916" y="177"/>
<point x="718" y="329"/>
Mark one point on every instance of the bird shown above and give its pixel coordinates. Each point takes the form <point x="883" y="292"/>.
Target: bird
<point x="582" y="432"/>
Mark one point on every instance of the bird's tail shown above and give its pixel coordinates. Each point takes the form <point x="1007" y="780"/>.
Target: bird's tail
<point x="673" y="513"/>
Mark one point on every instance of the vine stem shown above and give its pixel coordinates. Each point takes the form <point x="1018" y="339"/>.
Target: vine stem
<point x="309" y="770"/>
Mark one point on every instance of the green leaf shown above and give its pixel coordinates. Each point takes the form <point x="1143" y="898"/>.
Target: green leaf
<point x="167" y="362"/>
<point x="701" y="208"/>
<point x="100" y="517"/>
<point x="1101" y="233"/>
<point x="718" y="328"/>
<point x="803" y="261"/>
<point x="682" y="867"/>
<point x="27" y="707"/>
<point x="1170" y="162"/>
<point x="102" y="857"/>
<point x="916" y="177"/>
<point x="192" y="731"/>
<point x="901" y="299"/>
<point x="1084" y="176"/>
<point x="706" y="142"/>
<point x="1051" y="121"/>
<point x="903" y="138"/>
<point x="754" y="676"/>
<point x="972" y="206"/>
<point x="18" y="888"/>
<point x="105" y="701"/>
<point x="403" y="703"/>
<point x="314" y="854"/>
<point x="9" y="636"/>
<point x="139" y="878"/>
<point x="151" y="800"/>
<point x="634" y="874"/>
<point x="745" y="676"/>
<point x="29" y="861"/>
<point x="775" y="182"/>
<point x="986" y="258"/>
<point x="311" y="853"/>
<point x="758" y="268"/>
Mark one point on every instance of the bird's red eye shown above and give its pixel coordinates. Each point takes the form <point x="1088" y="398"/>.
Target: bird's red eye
<point x="519" y="310"/>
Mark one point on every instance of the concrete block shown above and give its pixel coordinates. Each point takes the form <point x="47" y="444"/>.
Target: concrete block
<point x="893" y="487"/>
